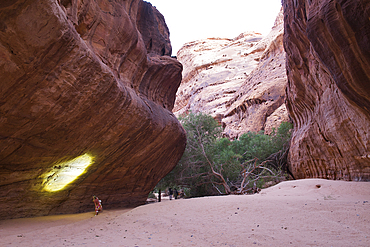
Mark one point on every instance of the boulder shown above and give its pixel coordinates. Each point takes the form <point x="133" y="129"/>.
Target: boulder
<point x="87" y="89"/>
<point x="328" y="93"/>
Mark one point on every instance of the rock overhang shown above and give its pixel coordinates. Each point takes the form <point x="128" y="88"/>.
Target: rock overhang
<point x="69" y="93"/>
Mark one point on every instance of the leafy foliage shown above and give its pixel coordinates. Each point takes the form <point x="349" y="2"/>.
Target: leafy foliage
<point x="215" y="165"/>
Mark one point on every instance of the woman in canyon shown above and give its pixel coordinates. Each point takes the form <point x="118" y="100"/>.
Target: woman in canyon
<point x="98" y="206"/>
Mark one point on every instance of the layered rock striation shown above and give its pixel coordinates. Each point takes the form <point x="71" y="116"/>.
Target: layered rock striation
<point x="328" y="93"/>
<point x="84" y="82"/>
<point x="240" y="82"/>
<point x="214" y="69"/>
<point x="259" y="104"/>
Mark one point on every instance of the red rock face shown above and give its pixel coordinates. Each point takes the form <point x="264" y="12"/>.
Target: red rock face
<point x="84" y="78"/>
<point x="328" y="94"/>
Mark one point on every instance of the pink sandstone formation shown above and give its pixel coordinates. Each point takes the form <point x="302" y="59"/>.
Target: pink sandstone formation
<point x="259" y="104"/>
<point x="84" y="81"/>
<point x="241" y="82"/>
<point x="328" y="92"/>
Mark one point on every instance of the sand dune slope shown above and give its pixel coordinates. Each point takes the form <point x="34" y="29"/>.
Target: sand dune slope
<point x="311" y="212"/>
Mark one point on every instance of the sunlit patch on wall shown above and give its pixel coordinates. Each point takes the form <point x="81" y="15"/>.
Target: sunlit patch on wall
<point x="64" y="173"/>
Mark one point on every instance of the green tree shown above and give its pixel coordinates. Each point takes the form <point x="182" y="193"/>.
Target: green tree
<point x="215" y="165"/>
<point x="195" y="170"/>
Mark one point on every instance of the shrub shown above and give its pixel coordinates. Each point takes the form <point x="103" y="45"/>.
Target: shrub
<point x="214" y="165"/>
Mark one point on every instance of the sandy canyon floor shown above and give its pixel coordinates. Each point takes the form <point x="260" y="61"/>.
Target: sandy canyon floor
<point x="310" y="212"/>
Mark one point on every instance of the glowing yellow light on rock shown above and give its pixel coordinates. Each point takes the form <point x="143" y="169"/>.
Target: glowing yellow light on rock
<point x="64" y="173"/>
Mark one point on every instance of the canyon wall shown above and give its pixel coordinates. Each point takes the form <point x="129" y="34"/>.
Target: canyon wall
<point x="328" y="92"/>
<point x="240" y="82"/>
<point x="259" y="104"/>
<point x="87" y="89"/>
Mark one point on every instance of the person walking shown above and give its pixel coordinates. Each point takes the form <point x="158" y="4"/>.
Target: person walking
<point x="175" y="193"/>
<point x="98" y="206"/>
<point x="170" y="193"/>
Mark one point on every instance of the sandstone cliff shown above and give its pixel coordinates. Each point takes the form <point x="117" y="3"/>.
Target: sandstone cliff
<point x="260" y="102"/>
<point x="84" y="82"/>
<point x="240" y="82"/>
<point x="328" y="93"/>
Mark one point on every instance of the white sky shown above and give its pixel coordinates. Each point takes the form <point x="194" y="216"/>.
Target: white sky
<point x="190" y="20"/>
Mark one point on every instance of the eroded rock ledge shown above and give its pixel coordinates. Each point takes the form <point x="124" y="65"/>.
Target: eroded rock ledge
<point x="84" y="79"/>
<point x="259" y="104"/>
<point x="240" y="82"/>
<point x="328" y="93"/>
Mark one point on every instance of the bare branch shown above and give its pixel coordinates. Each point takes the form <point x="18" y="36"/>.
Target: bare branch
<point x="224" y="183"/>
<point x="217" y="189"/>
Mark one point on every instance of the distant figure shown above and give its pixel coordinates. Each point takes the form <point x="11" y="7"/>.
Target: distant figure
<point x="175" y="193"/>
<point x="98" y="206"/>
<point x="182" y="193"/>
<point x="170" y="193"/>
